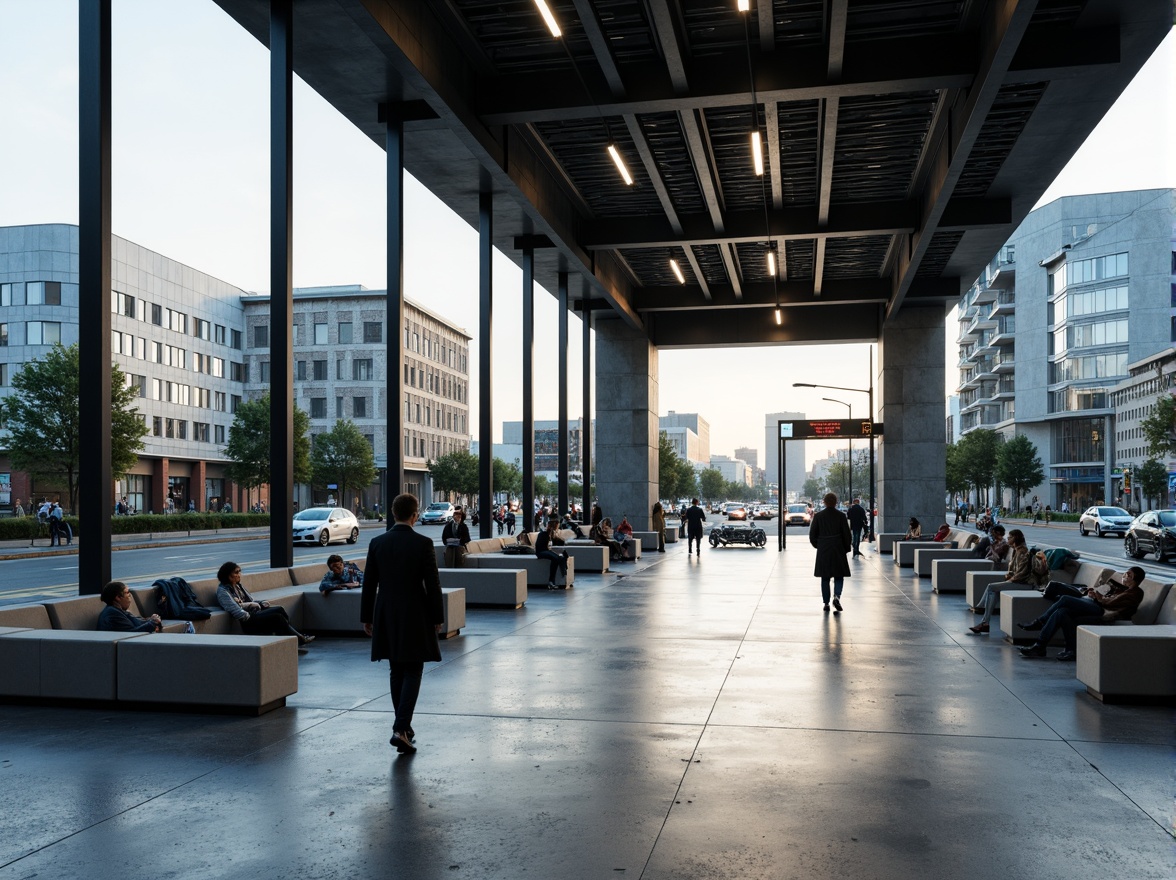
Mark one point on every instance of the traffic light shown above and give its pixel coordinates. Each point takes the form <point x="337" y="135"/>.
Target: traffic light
<point x="1126" y="479"/>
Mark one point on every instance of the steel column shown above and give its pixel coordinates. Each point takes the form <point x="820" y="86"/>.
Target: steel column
<point x="281" y="315"/>
<point x="394" y="145"/>
<point x="485" y="361"/>
<point x="528" y="462"/>
<point x="95" y="483"/>
<point x="586" y="414"/>
<point x="563" y="393"/>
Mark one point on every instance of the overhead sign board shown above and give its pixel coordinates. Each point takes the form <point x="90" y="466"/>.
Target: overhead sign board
<point x="798" y="429"/>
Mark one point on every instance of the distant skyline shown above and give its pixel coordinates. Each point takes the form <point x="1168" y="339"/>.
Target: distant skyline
<point x="190" y="180"/>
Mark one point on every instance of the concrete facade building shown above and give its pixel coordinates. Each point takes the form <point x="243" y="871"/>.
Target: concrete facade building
<point x="734" y="470"/>
<point x="1081" y="290"/>
<point x="690" y="434"/>
<point x="193" y="347"/>
<point x="1133" y="400"/>
<point x="795" y="464"/>
<point x="547" y="446"/>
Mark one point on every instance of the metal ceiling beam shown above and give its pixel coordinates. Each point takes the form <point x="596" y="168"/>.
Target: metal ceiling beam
<point x="762" y="293"/>
<point x="767" y="25"/>
<point x="1005" y="25"/>
<point x="740" y="327"/>
<point x="838" y="18"/>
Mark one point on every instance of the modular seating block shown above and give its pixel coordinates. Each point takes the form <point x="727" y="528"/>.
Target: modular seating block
<point x="25" y="617"/>
<point x="256" y="672"/>
<point x="20" y="665"/>
<point x="536" y="569"/>
<point x="71" y="665"/>
<point x="886" y="541"/>
<point x="976" y="582"/>
<point x="1127" y="661"/>
<point x="904" y="551"/>
<point x="673" y="529"/>
<point x="486" y="586"/>
<point x="1020" y="606"/>
<point x="648" y="539"/>
<point x="924" y="558"/>
<point x="592" y="557"/>
<point x="950" y="575"/>
<point x="337" y="611"/>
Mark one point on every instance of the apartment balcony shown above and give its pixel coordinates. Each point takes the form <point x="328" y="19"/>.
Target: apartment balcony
<point x="986" y="369"/>
<point x="985" y="295"/>
<point x="1004" y="278"/>
<point x="1006" y="304"/>
<point x="1005" y="332"/>
<point x="970" y="380"/>
<point x="1006" y="389"/>
<point x="1004" y="362"/>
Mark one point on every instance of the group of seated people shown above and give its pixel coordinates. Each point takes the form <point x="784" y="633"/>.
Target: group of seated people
<point x="619" y="540"/>
<point x="257" y="617"/>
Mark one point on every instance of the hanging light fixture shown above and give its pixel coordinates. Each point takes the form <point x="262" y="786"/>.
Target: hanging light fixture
<point x="779" y="316"/>
<point x="744" y="5"/>
<point x="757" y="153"/>
<point x="620" y="163"/>
<point x="552" y="24"/>
<point x="772" y="263"/>
<point x="677" y="271"/>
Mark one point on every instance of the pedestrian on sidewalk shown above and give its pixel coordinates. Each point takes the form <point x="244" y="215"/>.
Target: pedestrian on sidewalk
<point x="857" y="524"/>
<point x="829" y="534"/>
<point x="695" y="517"/>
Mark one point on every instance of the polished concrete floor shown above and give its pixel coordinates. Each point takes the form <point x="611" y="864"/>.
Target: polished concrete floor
<point x="677" y="719"/>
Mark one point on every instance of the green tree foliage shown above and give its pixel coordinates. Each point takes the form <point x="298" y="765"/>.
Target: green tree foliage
<point x="711" y="484"/>
<point x="839" y="478"/>
<point x="957" y="479"/>
<point x="507" y="478"/>
<point x="813" y="489"/>
<point x="342" y="455"/>
<point x="978" y="458"/>
<point x="675" y="475"/>
<point x="545" y="488"/>
<point x="249" y="444"/>
<point x="1159" y="428"/>
<point x="1152" y="478"/>
<point x="44" y="421"/>
<point x="456" y="472"/>
<point x="1018" y="467"/>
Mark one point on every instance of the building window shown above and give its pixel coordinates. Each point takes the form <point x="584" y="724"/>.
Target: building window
<point x="345" y="337"/>
<point x="200" y="432"/>
<point x="218" y="367"/>
<point x="219" y="433"/>
<point x="47" y="293"/>
<point x="361" y="370"/>
<point x="236" y="337"/>
<point x="3" y="335"/>
<point x="338" y="407"/>
<point x="318" y="407"/>
<point x="1079" y="440"/>
<point x="123" y="304"/>
<point x="200" y="328"/>
<point x="320" y="371"/>
<point x="320" y="334"/>
<point x="359" y="407"/>
<point x="43" y="333"/>
<point x="339" y="367"/>
<point x="12" y="294"/>
<point x="371" y="439"/>
<point x="218" y="335"/>
<point x="157" y="426"/>
<point x="261" y="336"/>
<point x="300" y="371"/>
<point x="234" y="402"/>
<point x="373" y="331"/>
<point x="237" y="372"/>
<point x="263" y="372"/>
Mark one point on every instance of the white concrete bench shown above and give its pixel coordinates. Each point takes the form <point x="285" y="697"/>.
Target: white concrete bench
<point x="63" y="664"/>
<point x="536" y="569"/>
<point x="925" y="557"/>
<point x="950" y="575"/>
<point x="487" y="586"/>
<point x="886" y="541"/>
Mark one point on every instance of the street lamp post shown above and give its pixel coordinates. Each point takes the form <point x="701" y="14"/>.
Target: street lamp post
<point x="870" y="392"/>
<point x="849" y="496"/>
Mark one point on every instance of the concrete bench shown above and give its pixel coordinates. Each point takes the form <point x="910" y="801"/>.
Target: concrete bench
<point x="1086" y="573"/>
<point x="1021" y="605"/>
<point x="254" y="672"/>
<point x="976" y="582"/>
<point x="488" y="586"/>
<point x="1120" y="663"/>
<point x="950" y="575"/>
<point x="886" y="541"/>
<point x="673" y="530"/>
<point x="536" y="570"/>
<point x="904" y="551"/>
<point x="62" y="664"/>
<point x="648" y="539"/>
<point x="338" y="611"/>
<point x="924" y="558"/>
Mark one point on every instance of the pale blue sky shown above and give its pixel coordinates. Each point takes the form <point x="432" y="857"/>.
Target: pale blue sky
<point x="190" y="180"/>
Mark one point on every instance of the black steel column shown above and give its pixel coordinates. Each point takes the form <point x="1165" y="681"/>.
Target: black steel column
<point x="586" y="417"/>
<point x="563" y="393"/>
<point x="528" y="341"/>
<point x="485" y="362"/>
<point x="281" y="282"/>
<point x="394" y="145"/>
<point x="95" y="483"/>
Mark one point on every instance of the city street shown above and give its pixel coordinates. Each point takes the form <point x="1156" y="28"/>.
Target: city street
<point x="27" y="579"/>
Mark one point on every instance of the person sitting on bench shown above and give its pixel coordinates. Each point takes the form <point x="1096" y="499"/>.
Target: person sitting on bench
<point x="340" y="575"/>
<point x="1118" y="599"/>
<point x="116" y="617"/>
<point x="543" y="544"/>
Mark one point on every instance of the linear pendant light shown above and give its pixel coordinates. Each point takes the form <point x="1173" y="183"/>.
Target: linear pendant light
<point x="772" y="263"/>
<point x="552" y="24"/>
<point x="616" y="157"/>
<point x="744" y="5"/>
<point x="677" y="271"/>
<point x="757" y="153"/>
<point x="779" y="316"/>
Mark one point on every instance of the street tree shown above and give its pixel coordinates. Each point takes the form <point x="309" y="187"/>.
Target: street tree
<point x="249" y="444"/>
<point x="507" y="478"/>
<point x="978" y="459"/>
<point x="1018" y="466"/>
<point x="813" y="489"/>
<point x="456" y="472"/>
<point x="676" y="477"/>
<point x="1152" y="478"/>
<point x="711" y="484"/>
<point x="1159" y="428"/>
<point x="44" y="420"/>
<point x="957" y="480"/>
<point x="342" y="456"/>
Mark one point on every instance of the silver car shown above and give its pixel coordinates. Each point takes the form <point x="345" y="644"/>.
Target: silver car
<point x="322" y="525"/>
<point x="1104" y="520"/>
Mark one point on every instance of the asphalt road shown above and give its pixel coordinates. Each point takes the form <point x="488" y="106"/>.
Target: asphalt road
<point x="53" y="576"/>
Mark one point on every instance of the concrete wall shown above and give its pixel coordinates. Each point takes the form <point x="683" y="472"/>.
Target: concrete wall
<point x="911" y="468"/>
<point x="626" y="423"/>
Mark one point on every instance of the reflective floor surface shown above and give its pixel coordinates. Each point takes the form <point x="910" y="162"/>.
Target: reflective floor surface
<point x="683" y="718"/>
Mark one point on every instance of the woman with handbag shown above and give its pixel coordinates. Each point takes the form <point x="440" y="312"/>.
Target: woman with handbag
<point x="455" y="536"/>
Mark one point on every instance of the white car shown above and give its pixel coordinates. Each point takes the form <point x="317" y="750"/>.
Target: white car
<point x="322" y="525"/>
<point x="1104" y="520"/>
<point x="438" y="512"/>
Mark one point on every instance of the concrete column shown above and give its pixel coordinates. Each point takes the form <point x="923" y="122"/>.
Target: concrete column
<point x="911" y="461"/>
<point x="196" y="490"/>
<point x="626" y="423"/>
<point x="159" y="484"/>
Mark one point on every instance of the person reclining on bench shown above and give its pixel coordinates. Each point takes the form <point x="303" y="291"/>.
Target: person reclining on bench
<point x="116" y="618"/>
<point x="1120" y="601"/>
<point x="340" y="575"/>
<point x="256" y="618"/>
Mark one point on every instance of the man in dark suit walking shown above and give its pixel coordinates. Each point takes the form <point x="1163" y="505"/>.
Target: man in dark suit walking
<point x="401" y="609"/>
<point x="857" y="524"/>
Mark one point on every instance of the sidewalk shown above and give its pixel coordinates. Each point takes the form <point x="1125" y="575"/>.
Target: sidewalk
<point x="680" y="718"/>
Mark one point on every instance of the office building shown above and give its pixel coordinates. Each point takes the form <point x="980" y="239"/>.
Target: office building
<point x="689" y="434"/>
<point x="795" y="470"/>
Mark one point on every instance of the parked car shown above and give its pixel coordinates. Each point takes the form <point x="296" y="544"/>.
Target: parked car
<point x="1152" y="532"/>
<point x="437" y="513"/>
<point x="1103" y="520"/>
<point x="798" y="515"/>
<point x="324" y="525"/>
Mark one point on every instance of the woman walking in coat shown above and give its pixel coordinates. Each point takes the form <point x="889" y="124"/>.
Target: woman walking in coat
<point x="829" y="533"/>
<point x="659" y="526"/>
